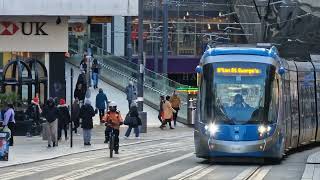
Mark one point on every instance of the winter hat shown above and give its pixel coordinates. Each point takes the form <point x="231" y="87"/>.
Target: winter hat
<point x="62" y="102"/>
<point x="35" y="100"/>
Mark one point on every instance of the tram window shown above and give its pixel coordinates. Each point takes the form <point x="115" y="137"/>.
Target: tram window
<point x="226" y="100"/>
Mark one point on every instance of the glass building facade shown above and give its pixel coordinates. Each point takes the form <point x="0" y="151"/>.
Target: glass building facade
<point x="191" y="23"/>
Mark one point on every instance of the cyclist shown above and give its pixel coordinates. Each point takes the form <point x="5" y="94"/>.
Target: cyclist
<point x="113" y="120"/>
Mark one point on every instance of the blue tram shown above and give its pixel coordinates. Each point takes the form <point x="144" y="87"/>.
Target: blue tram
<point x="252" y="103"/>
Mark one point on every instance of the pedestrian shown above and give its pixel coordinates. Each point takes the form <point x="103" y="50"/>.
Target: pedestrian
<point x="167" y="112"/>
<point x="113" y="121"/>
<point x="135" y="120"/>
<point x="131" y="93"/>
<point x="86" y="114"/>
<point x="10" y="121"/>
<point x="63" y="119"/>
<point x="160" y="115"/>
<point x="101" y="103"/>
<point x="79" y="93"/>
<point x="50" y="113"/>
<point x="5" y="129"/>
<point x="95" y="73"/>
<point x="175" y="103"/>
<point x="75" y="115"/>
<point x="82" y="79"/>
<point x="33" y="113"/>
<point x="84" y="65"/>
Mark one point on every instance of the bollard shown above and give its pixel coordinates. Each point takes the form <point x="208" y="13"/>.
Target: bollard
<point x="143" y="117"/>
<point x="191" y="111"/>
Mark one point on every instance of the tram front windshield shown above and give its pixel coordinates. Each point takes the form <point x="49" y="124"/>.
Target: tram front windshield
<point x="237" y="93"/>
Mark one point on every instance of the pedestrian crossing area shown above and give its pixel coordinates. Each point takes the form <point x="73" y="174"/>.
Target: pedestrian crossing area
<point x="173" y="160"/>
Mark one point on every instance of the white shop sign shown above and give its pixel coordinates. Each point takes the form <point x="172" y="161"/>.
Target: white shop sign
<point x="33" y="34"/>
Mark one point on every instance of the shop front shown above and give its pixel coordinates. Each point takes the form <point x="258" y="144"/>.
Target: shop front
<point x="41" y="39"/>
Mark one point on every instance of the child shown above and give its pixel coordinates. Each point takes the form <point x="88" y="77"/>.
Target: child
<point x="113" y="120"/>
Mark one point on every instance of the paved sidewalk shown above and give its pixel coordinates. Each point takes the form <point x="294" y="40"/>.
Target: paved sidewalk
<point x="113" y="94"/>
<point x="33" y="149"/>
<point x="312" y="170"/>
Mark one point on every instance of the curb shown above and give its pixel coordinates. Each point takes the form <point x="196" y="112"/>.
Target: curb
<point x="92" y="150"/>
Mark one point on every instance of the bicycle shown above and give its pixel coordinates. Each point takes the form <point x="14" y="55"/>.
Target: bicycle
<point x="111" y="140"/>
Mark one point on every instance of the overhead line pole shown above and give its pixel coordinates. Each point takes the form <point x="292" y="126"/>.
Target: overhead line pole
<point x="165" y="37"/>
<point x="140" y="58"/>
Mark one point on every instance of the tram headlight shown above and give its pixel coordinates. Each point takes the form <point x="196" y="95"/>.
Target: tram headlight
<point x="264" y="129"/>
<point x="211" y="129"/>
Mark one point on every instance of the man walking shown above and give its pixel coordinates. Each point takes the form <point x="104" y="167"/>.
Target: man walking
<point x="101" y="103"/>
<point x="131" y="93"/>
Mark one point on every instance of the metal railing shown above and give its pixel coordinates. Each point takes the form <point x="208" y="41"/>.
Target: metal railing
<point x="119" y="71"/>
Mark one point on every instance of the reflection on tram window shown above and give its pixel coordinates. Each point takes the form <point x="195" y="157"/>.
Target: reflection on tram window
<point x="239" y="101"/>
<point x="238" y="98"/>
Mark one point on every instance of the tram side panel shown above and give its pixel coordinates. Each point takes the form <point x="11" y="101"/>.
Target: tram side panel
<point x="294" y="109"/>
<point x="306" y="102"/>
<point x="317" y="84"/>
<point x="287" y="109"/>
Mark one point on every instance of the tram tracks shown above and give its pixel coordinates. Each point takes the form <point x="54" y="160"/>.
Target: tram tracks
<point x="254" y="173"/>
<point x="202" y="170"/>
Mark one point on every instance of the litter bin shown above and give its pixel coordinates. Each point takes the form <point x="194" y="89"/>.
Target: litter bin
<point x="191" y="111"/>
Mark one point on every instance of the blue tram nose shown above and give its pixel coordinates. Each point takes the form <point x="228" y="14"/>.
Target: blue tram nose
<point x="239" y="133"/>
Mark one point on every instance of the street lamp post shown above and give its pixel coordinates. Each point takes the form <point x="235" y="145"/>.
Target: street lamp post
<point x="71" y="100"/>
<point x="156" y="47"/>
<point x="165" y="37"/>
<point x="140" y="58"/>
<point x="142" y="115"/>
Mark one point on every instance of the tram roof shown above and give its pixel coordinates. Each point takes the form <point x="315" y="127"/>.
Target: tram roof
<point x="257" y="51"/>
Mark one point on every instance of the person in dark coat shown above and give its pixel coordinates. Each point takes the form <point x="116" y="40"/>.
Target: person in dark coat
<point x="79" y="93"/>
<point x="134" y="114"/>
<point x="75" y="115"/>
<point x="64" y="119"/>
<point x="84" y="65"/>
<point x="95" y="73"/>
<point x="50" y="113"/>
<point x="33" y="114"/>
<point x="82" y="78"/>
<point x="101" y="103"/>
<point x="160" y="115"/>
<point x="86" y="114"/>
<point x="34" y="111"/>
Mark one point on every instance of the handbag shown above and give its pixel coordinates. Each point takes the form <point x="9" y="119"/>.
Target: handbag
<point x="127" y="120"/>
<point x="130" y="121"/>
